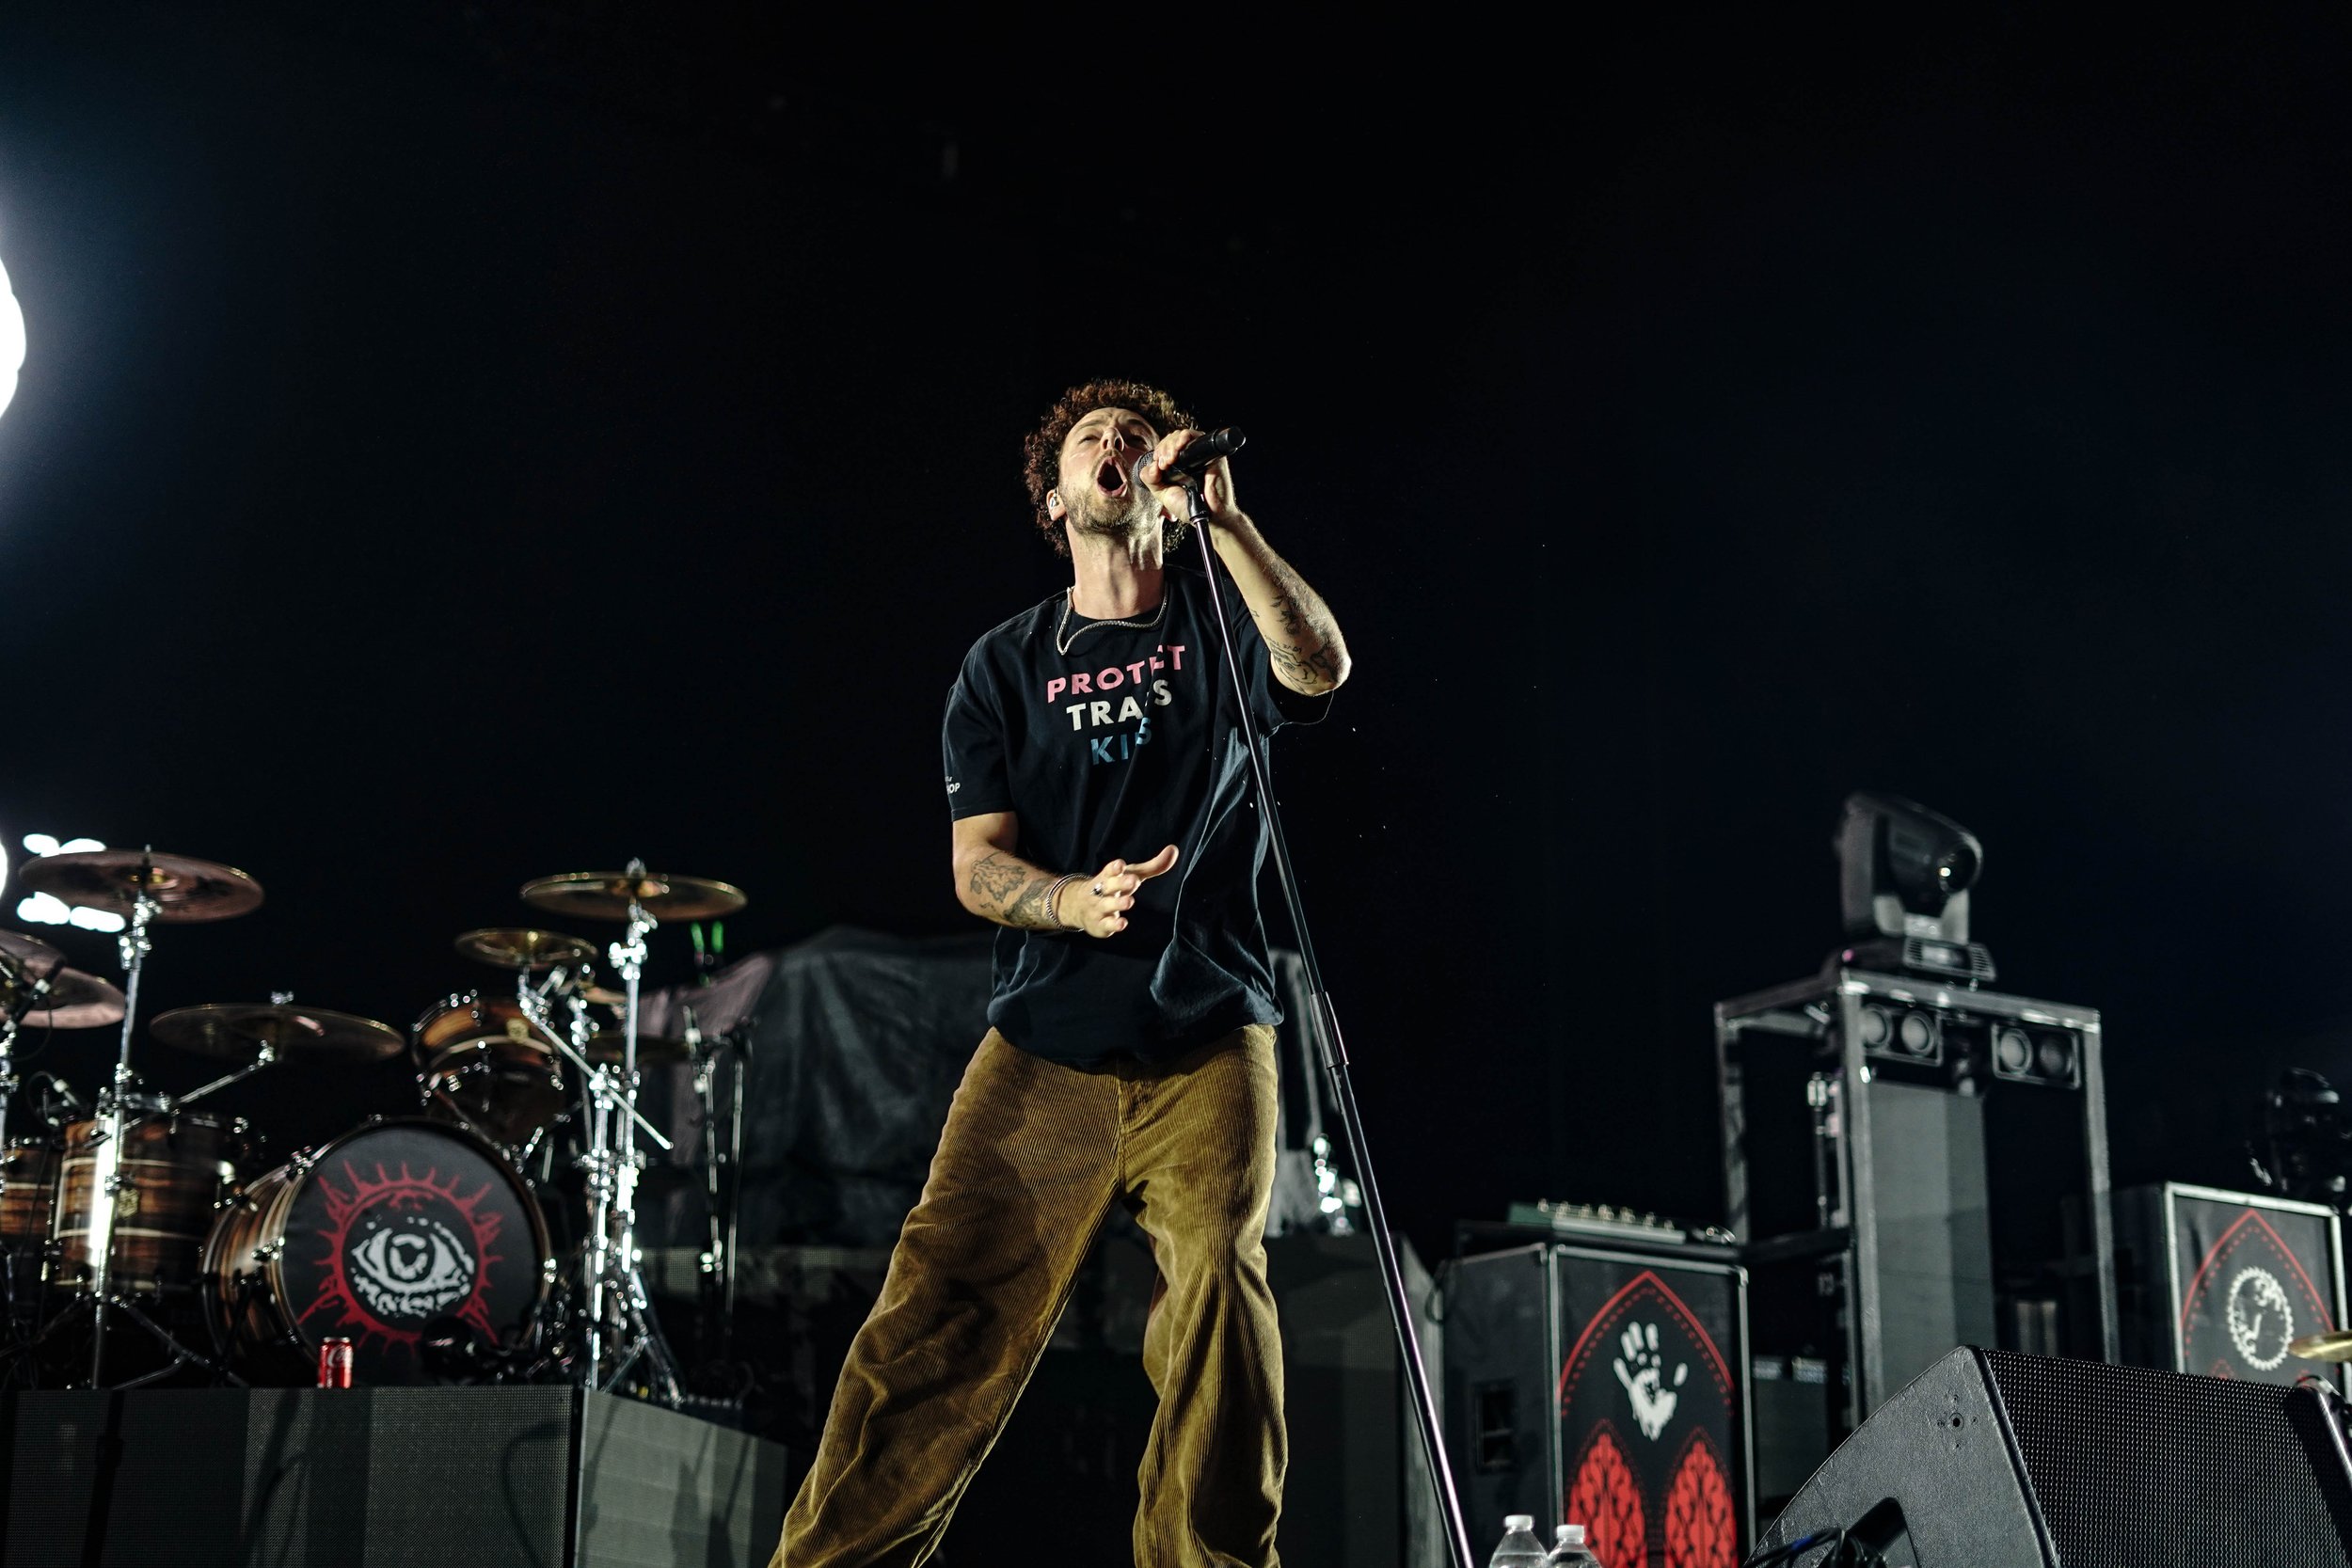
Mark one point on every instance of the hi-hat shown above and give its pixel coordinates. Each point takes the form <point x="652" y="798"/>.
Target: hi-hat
<point x="517" y="948"/>
<point x="237" y="1030"/>
<point x="77" y="1001"/>
<point x="607" y="895"/>
<point x="2335" y="1345"/>
<point x="184" y="889"/>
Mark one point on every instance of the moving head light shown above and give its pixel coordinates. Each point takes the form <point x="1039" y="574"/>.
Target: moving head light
<point x="1903" y="878"/>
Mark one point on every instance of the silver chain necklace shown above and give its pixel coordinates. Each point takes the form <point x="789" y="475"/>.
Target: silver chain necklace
<point x="1061" y="642"/>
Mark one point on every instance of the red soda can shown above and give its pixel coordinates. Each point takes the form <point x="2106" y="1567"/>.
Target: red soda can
<point x="334" y="1363"/>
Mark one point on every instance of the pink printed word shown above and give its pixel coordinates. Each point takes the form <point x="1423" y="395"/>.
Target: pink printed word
<point x="1112" y="678"/>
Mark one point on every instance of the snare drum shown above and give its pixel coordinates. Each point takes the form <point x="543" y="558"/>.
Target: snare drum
<point x="372" y="1237"/>
<point x="482" y="1064"/>
<point x="174" y="1170"/>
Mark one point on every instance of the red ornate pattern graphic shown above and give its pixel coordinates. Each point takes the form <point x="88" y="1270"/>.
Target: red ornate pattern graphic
<point x="2203" y="1328"/>
<point x="1700" y="1527"/>
<point x="405" y="1194"/>
<point x="1605" y="1496"/>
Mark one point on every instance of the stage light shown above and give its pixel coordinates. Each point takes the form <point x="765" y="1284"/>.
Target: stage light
<point x="11" y="340"/>
<point x="41" y="909"/>
<point x="1904" y="873"/>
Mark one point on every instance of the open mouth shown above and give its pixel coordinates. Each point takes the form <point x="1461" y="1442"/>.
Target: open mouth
<point x="1110" y="477"/>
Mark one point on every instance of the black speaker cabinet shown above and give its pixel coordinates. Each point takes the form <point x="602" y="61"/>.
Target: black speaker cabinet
<point x="1607" y="1388"/>
<point x="1915" y="1164"/>
<point x="1994" y="1460"/>
<point x="2219" y="1282"/>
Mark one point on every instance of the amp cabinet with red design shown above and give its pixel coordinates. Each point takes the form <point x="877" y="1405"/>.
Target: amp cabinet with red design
<point x="1605" y="1386"/>
<point x="2218" y="1283"/>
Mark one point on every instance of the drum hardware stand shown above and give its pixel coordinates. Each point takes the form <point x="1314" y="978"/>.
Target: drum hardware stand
<point x="1335" y="1061"/>
<point x="723" y="1201"/>
<point x="107" y="1147"/>
<point x="611" y="1162"/>
<point x="107" y="1181"/>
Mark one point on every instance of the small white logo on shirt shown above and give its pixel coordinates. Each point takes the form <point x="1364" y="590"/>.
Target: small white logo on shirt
<point x="953" y="786"/>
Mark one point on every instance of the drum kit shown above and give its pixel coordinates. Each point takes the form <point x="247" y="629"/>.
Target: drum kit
<point x="425" y="1241"/>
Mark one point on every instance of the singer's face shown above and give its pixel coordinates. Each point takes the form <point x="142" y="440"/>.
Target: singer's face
<point x="1098" y="473"/>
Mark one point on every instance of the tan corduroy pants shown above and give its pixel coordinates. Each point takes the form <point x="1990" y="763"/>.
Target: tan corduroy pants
<point x="1033" y="1157"/>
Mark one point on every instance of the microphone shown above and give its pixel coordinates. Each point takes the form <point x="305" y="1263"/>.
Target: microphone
<point x="1198" y="455"/>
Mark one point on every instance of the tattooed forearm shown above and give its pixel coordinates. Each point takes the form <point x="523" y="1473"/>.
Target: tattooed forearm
<point x="1012" y="891"/>
<point x="996" y="876"/>
<point x="1029" y="907"/>
<point x="1301" y="638"/>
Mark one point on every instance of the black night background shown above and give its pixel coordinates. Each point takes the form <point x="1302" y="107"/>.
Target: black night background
<point x="462" y="444"/>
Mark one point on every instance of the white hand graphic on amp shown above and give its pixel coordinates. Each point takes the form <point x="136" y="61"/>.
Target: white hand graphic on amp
<point x="1643" y="1371"/>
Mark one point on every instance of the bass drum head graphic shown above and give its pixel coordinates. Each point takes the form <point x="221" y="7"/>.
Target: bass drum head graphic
<point x="386" y="1230"/>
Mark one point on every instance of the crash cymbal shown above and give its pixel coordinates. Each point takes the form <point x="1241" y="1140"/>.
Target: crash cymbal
<point x="77" y="1001"/>
<point x="520" y="947"/>
<point x="606" y="894"/>
<point x="2335" y="1345"/>
<point x="652" y="1049"/>
<point x="186" y="889"/>
<point x="235" y="1030"/>
<point x="26" y="957"/>
<point x="604" y="996"/>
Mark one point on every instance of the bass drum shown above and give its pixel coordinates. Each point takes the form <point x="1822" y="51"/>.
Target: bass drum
<point x="370" y="1238"/>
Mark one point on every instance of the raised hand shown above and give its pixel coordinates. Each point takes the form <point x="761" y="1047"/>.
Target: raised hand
<point x="1098" y="907"/>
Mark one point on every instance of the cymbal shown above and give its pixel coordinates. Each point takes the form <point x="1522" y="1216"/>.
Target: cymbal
<point x="187" y="890"/>
<point x="19" y="953"/>
<point x="606" y="894"/>
<point x="604" y="996"/>
<point x="518" y="947"/>
<point x="236" y="1030"/>
<point x="652" y="1049"/>
<point x="77" y="1001"/>
<point x="2335" y="1345"/>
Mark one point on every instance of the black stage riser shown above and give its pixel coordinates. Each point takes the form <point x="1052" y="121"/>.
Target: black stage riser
<point x="382" y="1477"/>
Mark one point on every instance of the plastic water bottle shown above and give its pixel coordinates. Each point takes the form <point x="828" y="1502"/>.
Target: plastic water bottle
<point x="1520" y="1548"/>
<point x="1568" y="1549"/>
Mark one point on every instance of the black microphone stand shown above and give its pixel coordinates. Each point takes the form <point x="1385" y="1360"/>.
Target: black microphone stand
<point x="1335" y="1064"/>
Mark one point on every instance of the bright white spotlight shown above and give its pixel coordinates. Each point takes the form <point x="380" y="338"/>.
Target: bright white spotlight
<point x="79" y="846"/>
<point x="43" y="909"/>
<point x="11" y="340"/>
<point x="97" y="920"/>
<point x="41" y="844"/>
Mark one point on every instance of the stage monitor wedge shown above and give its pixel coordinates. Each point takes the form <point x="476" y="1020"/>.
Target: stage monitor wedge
<point x="1994" y="1460"/>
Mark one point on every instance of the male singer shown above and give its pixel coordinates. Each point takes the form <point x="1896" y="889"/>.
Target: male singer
<point x="1098" y="786"/>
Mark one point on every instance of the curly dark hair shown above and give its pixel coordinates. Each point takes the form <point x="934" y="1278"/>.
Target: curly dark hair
<point x="1041" y="450"/>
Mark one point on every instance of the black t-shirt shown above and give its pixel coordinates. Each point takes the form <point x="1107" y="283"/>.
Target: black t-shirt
<point x="1126" y="743"/>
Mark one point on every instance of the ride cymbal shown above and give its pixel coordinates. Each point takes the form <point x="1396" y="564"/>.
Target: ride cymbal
<point x="607" y="895"/>
<point x="76" y="1001"/>
<point x="184" y="889"/>
<point x="520" y="947"/>
<point x="234" y="1031"/>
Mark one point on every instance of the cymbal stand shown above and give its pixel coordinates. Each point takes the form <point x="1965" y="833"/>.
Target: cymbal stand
<point x="106" y="1147"/>
<point x="612" y="1282"/>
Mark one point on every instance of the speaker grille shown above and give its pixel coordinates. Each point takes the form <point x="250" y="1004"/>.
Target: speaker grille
<point x="2134" y="1468"/>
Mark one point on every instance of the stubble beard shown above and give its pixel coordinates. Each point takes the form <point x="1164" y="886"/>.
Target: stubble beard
<point x="1134" y="526"/>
